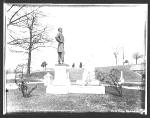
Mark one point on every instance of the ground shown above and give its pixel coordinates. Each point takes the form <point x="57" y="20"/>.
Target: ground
<point x="132" y="100"/>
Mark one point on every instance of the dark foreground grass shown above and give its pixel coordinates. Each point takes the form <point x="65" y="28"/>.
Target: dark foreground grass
<point x="132" y="100"/>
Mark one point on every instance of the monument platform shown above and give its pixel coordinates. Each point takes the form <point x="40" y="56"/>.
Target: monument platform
<point x="87" y="89"/>
<point x="57" y="89"/>
<point x="62" y="85"/>
<point x="75" y="89"/>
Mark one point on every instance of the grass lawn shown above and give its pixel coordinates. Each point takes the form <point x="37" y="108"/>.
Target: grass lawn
<point x="34" y="77"/>
<point x="132" y="100"/>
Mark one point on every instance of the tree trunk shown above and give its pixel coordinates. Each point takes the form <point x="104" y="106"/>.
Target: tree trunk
<point x="29" y="62"/>
<point x="116" y="60"/>
<point x="123" y="58"/>
<point x="136" y="60"/>
<point x="29" y="54"/>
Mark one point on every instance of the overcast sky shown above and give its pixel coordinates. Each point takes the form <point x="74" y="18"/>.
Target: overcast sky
<point x="91" y="35"/>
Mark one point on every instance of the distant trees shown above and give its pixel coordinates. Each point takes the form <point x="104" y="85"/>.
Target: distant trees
<point x="123" y="55"/>
<point x="116" y="56"/>
<point x="31" y="35"/>
<point x="137" y="56"/>
<point x="116" y="53"/>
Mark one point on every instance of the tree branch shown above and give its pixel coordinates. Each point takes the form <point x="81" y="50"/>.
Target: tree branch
<point x="10" y="8"/>
<point x="20" y="21"/>
<point x="42" y="31"/>
<point x="11" y="22"/>
<point x="43" y="46"/>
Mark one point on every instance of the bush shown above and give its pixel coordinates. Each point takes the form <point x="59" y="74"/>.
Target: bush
<point x="21" y="81"/>
<point x="112" y="78"/>
<point x="101" y="76"/>
<point x="24" y="89"/>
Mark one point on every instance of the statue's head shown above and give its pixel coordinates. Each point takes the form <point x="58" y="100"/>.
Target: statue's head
<point x="60" y="29"/>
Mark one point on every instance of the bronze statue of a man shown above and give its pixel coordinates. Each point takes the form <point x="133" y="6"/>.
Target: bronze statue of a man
<point x="60" y="39"/>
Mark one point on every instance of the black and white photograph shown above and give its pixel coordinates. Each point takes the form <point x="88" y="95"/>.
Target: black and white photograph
<point x="75" y="58"/>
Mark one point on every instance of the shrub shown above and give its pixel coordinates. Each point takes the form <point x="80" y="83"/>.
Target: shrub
<point x="24" y="89"/>
<point x="111" y="78"/>
<point x="22" y="84"/>
<point x="101" y="76"/>
<point x="114" y="79"/>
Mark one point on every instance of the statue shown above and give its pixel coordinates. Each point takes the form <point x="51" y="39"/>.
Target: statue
<point x="60" y="39"/>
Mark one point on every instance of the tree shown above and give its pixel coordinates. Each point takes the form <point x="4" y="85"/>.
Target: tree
<point x="80" y="66"/>
<point x="31" y="34"/>
<point x="44" y="64"/>
<point x="116" y="55"/>
<point x="111" y="78"/>
<point x="137" y="56"/>
<point x="123" y="55"/>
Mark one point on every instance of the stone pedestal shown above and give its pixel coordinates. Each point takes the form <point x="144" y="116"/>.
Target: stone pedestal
<point x="61" y="80"/>
<point x="61" y="75"/>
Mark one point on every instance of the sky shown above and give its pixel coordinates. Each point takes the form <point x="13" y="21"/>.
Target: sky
<point x="91" y="33"/>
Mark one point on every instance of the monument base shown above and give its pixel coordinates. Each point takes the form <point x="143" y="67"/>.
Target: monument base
<point x="62" y="85"/>
<point x="75" y="89"/>
<point x="61" y="81"/>
<point x="87" y="89"/>
<point x="53" y="89"/>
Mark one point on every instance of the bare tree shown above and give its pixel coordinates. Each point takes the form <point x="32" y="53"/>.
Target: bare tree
<point x="116" y="56"/>
<point x="137" y="56"/>
<point x="123" y="56"/>
<point x="33" y="35"/>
